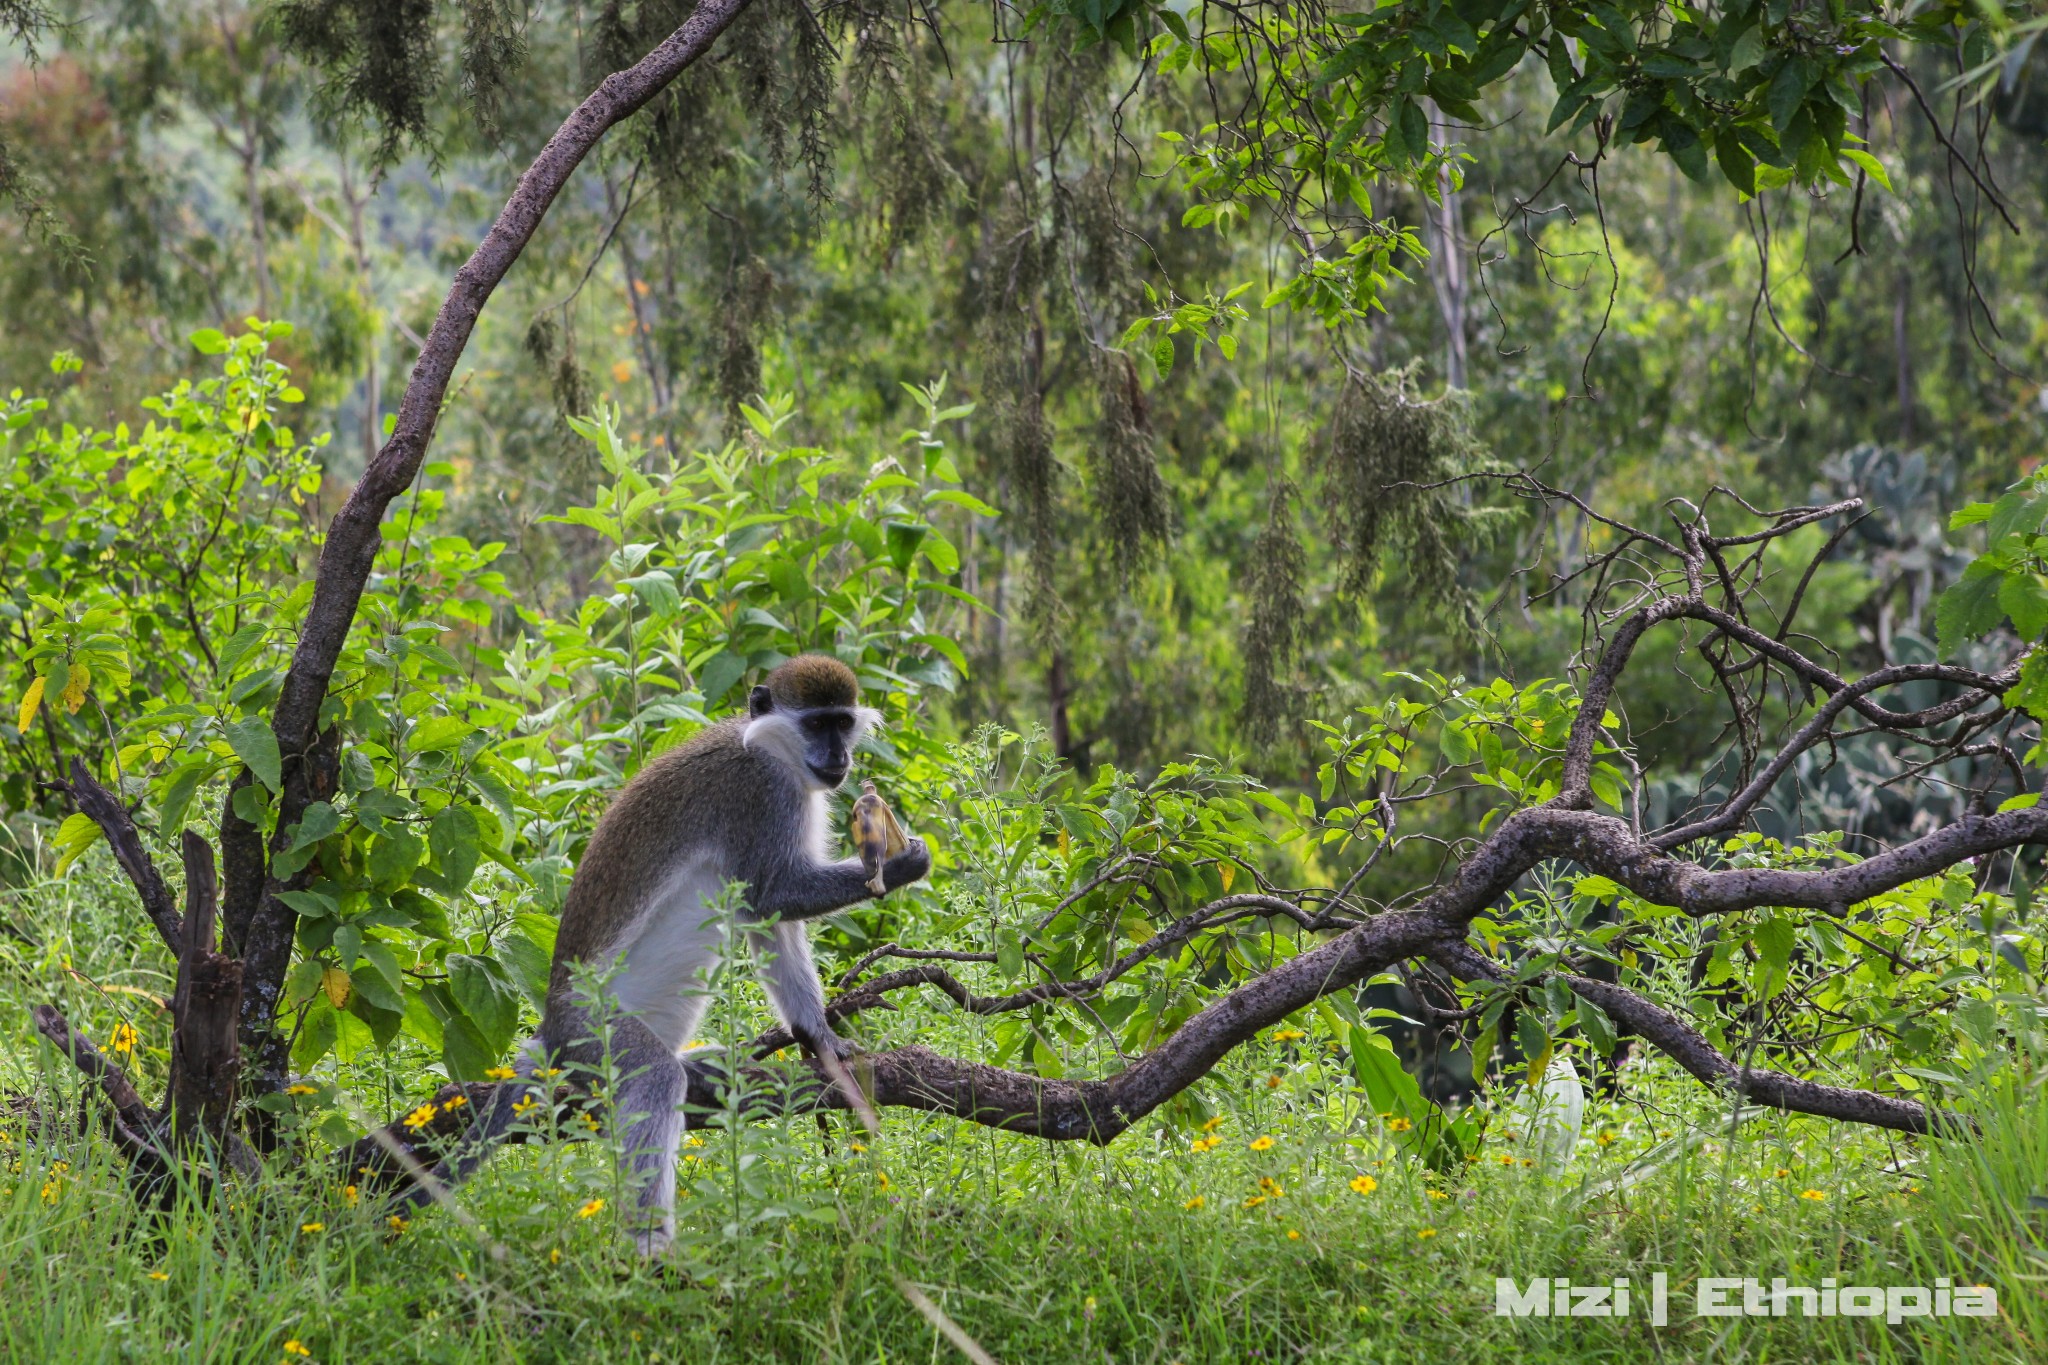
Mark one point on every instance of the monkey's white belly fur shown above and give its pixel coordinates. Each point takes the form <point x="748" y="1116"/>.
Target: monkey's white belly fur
<point x="679" y="937"/>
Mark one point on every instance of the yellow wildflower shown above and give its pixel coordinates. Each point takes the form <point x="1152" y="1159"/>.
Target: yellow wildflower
<point x="881" y="1180"/>
<point x="1270" y="1187"/>
<point x="455" y="1101"/>
<point x="589" y="1120"/>
<point x="555" y="1256"/>
<point x="398" y="1223"/>
<point x="1255" y="1201"/>
<point x="1604" y="1139"/>
<point x="522" y="1106"/>
<point x="1364" y="1184"/>
<point x="1528" y="1161"/>
<point x="1815" y="1195"/>
<point x="312" y="1227"/>
<point x="548" y="1073"/>
<point x="124" y="1038"/>
<point x="302" y="1089"/>
<point x="591" y="1209"/>
<point x="501" y="1073"/>
<point x="1197" y="1202"/>
<point x="158" y="1275"/>
<point x="1507" y="1161"/>
<point x="1398" y="1125"/>
<point x="694" y="1141"/>
<point x="1288" y="1035"/>
<point x="858" y="1146"/>
<point x="1212" y="1123"/>
<point x="1293" y="1236"/>
<point x="1272" y="1082"/>
<point x="351" y="1194"/>
<point x="420" y="1117"/>
<point x="1781" y="1172"/>
<point x="1262" y="1143"/>
<point x="1436" y="1194"/>
<point x="1426" y="1232"/>
<point x="295" y="1347"/>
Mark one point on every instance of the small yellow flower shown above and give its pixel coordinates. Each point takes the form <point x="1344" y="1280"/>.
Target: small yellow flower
<point x="124" y="1038"/>
<point x="1255" y="1201"/>
<point x="1471" y="1156"/>
<point x="1196" y="1203"/>
<point x="1604" y="1139"/>
<point x="1426" y="1232"/>
<point x="1293" y="1236"/>
<point x="1507" y="1161"/>
<point x="302" y="1089"/>
<point x="591" y="1209"/>
<point x="50" y="1191"/>
<point x="858" y="1146"/>
<point x="1262" y="1143"/>
<point x="548" y="1073"/>
<point x="455" y="1101"/>
<point x="1398" y="1125"/>
<point x="1436" y="1194"/>
<point x="1528" y="1161"/>
<point x="1288" y="1035"/>
<point x="524" y="1105"/>
<point x="1815" y="1195"/>
<point x="555" y="1256"/>
<point x="351" y="1194"/>
<point x="501" y="1073"/>
<point x="694" y="1141"/>
<point x="398" y="1223"/>
<point x="420" y="1117"/>
<point x="1272" y="1082"/>
<point x="1364" y="1184"/>
<point x="158" y="1275"/>
<point x="881" y="1180"/>
<point x="1270" y="1187"/>
<point x="588" y="1120"/>
<point x="295" y="1347"/>
<point x="1781" y="1172"/>
<point x="1212" y="1123"/>
<point x="312" y="1227"/>
<point x="1912" y="1189"/>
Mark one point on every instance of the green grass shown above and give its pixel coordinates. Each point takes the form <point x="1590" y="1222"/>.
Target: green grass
<point x="792" y="1240"/>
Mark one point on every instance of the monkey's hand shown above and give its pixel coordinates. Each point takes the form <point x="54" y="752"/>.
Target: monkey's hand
<point x="829" y="1043"/>
<point x="913" y="864"/>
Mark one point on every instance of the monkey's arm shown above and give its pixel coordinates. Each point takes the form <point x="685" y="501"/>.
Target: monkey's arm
<point x="783" y="953"/>
<point x="805" y="890"/>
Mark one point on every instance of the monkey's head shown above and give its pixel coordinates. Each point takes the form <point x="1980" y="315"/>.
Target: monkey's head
<point x="808" y="715"/>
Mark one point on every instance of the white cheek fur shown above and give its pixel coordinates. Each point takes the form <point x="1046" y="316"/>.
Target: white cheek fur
<point x="777" y="736"/>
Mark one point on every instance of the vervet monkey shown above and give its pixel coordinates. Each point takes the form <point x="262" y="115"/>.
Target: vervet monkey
<point x="742" y="801"/>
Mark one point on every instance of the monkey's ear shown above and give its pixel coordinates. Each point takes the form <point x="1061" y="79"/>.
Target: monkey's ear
<point x="759" y="702"/>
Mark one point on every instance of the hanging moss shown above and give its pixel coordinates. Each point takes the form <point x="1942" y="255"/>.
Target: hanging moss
<point x="1388" y="484"/>
<point x="742" y="309"/>
<point x="1130" y="499"/>
<point x="1272" y="637"/>
<point x="381" y="58"/>
<point x="493" y="52"/>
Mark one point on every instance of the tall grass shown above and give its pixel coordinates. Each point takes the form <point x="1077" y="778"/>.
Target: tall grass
<point x="795" y="1235"/>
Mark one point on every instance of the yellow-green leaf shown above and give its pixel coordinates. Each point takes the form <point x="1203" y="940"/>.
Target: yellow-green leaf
<point x="32" y="699"/>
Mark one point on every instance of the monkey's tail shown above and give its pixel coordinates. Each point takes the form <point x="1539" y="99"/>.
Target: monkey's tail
<point x="508" y="1103"/>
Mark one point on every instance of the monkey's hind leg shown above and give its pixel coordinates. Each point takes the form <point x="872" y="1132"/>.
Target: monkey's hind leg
<point x="648" y="1114"/>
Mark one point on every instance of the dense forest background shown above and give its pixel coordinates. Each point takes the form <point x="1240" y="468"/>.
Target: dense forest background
<point x="1182" y="562"/>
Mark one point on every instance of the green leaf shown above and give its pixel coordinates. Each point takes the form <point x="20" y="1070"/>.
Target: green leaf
<point x="438" y="733"/>
<point x="319" y="821"/>
<point x="78" y="833"/>
<point x="485" y="999"/>
<point x="904" y="538"/>
<point x="179" y="789"/>
<point x="237" y="648"/>
<point x="456" y="841"/>
<point x="1870" y="164"/>
<point x="1967" y="610"/>
<point x="382" y="985"/>
<point x="396" y="854"/>
<point x="1536" y="1045"/>
<point x="1774" y="938"/>
<point x="210" y="341"/>
<point x="2024" y="597"/>
<point x="256" y="746"/>
<point x="718" y="676"/>
<point x="1596" y="1026"/>
<point x="1162" y="355"/>
<point x="464" y="1050"/>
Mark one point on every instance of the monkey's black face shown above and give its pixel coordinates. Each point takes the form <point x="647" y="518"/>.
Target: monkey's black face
<point x="828" y="743"/>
